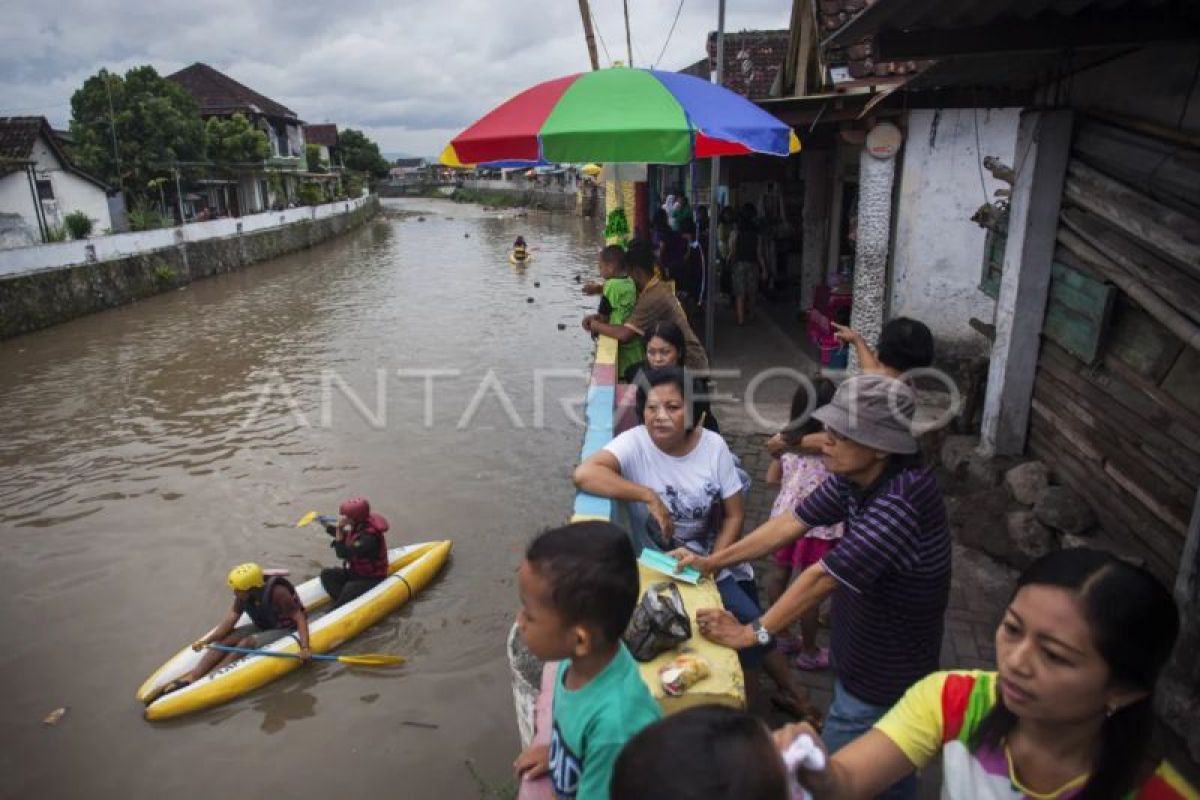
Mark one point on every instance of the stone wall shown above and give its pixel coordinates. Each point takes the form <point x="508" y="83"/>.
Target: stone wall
<point x="551" y="199"/>
<point x="37" y="300"/>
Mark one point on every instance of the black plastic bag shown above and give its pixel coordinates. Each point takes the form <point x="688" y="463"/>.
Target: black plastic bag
<point x="659" y="622"/>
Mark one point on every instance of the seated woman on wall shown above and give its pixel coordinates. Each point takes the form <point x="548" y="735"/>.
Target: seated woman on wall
<point x="687" y="478"/>
<point x="1068" y="713"/>
<point x="666" y="346"/>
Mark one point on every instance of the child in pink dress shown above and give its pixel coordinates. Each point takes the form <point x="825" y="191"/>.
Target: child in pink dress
<point x="798" y="474"/>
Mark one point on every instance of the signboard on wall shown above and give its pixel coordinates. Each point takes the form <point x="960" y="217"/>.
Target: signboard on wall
<point x="884" y="141"/>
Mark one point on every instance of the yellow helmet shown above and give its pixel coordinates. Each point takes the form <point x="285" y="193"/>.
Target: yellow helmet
<point x="245" y="577"/>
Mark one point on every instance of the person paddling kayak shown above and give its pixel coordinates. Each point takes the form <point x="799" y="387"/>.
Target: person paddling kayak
<point x="274" y="609"/>
<point x="520" y="251"/>
<point x="358" y="539"/>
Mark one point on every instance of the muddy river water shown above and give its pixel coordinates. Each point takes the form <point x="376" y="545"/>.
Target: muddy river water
<point x="147" y="449"/>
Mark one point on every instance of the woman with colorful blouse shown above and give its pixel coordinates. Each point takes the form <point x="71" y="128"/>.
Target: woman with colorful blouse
<point x="1067" y="715"/>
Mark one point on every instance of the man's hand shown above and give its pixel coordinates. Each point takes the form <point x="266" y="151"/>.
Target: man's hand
<point x="687" y="558"/>
<point x="587" y="322"/>
<point x="592" y="287"/>
<point x="718" y="625"/>
<point x="199" y="645"/>
<point x="533" y="763"/>
<point x="305" y="653"/>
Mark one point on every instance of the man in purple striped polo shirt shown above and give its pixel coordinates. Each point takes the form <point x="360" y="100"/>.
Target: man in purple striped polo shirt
<point x="889" y="575"/>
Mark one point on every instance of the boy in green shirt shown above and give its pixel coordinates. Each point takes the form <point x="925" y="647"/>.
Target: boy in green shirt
<point x="616" y="305"/>
<point x="579" y="586"/>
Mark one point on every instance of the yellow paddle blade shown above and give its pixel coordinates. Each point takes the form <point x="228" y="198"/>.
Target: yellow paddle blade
<point x="306" y="519"/>
<point x="372" y="660"/>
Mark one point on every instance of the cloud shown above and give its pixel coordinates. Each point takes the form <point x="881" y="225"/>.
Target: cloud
<point x="411" y="74"/>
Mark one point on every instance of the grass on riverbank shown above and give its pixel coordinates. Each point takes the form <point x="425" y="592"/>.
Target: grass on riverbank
<point x="493" y="199"/>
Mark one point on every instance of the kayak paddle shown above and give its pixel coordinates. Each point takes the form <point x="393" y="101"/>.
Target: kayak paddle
<point x="366" y="660"/>
<point x="312" y="517"/>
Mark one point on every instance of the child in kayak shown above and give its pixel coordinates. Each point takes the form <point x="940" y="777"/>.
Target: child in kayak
<point x="358" y="539"/>
<point x="578" y="587"/>
<point x="274" y="609"/>
<point x="520" y="251"/>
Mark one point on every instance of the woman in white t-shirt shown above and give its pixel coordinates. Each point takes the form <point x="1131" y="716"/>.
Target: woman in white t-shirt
<point x="687" y="479"/>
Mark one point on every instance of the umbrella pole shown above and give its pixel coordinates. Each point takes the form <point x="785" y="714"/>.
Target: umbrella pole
<point x="714" y="215"/>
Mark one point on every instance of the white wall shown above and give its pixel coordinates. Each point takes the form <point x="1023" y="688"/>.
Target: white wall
<point x="103" y="248"/>
<point x="71" y="192"/>
<point x="938" y="252"/>
<point x="16" y="197"/>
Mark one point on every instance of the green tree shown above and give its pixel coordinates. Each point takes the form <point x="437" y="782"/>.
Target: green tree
<point x="154" y="123"/>
<point x="312" y="154"/>
<point x="361" y="154"/>
<point x="233" y="140"/>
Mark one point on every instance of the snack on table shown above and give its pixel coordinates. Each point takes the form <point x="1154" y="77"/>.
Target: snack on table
<point x="685" y="670"/>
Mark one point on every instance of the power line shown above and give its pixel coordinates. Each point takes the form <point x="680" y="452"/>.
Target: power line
<point x="669" y="33"/>
<point x="600" y="36"/>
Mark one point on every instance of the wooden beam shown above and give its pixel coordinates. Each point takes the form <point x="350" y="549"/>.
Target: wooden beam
<point x="1044" y="33"/>
<point x="1172" y="284"/>
<point x="1171" y="233"/>
<point x="805" y="48"/>
<point x="1178" y="324"/>
<point x="1161" y="169"/>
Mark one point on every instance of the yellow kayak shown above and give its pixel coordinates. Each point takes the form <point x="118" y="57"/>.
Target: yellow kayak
<point x="519" y="261"/>
<point x="412" y="568"/>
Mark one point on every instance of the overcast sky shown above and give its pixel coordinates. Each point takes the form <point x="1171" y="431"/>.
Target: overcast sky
<point x="411" y="74"/>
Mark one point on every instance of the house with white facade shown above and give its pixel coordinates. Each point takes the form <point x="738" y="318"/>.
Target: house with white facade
<point x="39" y="186"/>
<point x="254" y="187"/>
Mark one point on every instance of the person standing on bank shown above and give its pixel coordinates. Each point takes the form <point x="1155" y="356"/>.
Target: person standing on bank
<point x="889" y="576"/>
<point x="656" y="301"/>
<point x="358" y="539"/>
<point x="749" y="264"/>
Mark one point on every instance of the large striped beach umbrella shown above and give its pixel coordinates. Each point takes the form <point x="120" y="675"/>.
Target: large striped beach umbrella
<point x="621" y="115"/>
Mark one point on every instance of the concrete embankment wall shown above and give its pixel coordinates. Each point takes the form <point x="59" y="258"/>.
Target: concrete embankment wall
<point x="32" y="300"/>
<point x="534" y="197"/>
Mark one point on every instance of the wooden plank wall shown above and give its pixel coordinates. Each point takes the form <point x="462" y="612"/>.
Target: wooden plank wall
<point x="1124" y="432"/>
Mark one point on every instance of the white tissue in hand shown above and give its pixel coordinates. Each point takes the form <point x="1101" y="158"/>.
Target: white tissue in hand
<point x="803" y="752"/>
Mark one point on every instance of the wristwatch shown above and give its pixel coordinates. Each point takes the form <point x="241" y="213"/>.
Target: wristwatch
<point x="760" y="633"/>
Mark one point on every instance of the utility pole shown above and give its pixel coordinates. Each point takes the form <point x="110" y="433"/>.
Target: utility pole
<point x="588" y="34"/>
<point x="628" y="39"/>
<point x="112" y="129"/>
<point x="714" y="183"/>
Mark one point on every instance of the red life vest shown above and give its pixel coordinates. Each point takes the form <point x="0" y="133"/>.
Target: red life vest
<point x="375" y="566"/>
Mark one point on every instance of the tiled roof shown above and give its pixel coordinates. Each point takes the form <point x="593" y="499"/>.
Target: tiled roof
<point x="17" y="137"/>
<point x="217" y="93"/>
<point x="325" y="134"/>
<point x="753" y="60"/>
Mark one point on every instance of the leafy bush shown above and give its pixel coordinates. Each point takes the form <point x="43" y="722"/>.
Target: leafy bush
<point x="146" y="219"/>
<point x="354" y="186"/>
<point x="310" y="194"/>
<point x="163" y="273"/>
<point x="79" y="224"/>
<point x="56" y="233"/>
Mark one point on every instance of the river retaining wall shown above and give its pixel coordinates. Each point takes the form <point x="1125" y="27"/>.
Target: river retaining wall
<point x="163" y="260"/>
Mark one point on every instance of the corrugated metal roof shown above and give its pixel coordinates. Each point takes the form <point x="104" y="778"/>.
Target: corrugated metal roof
<point x="908" y="15"/>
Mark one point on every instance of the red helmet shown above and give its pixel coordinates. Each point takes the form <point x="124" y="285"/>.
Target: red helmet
<point x="356" y="509"/>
